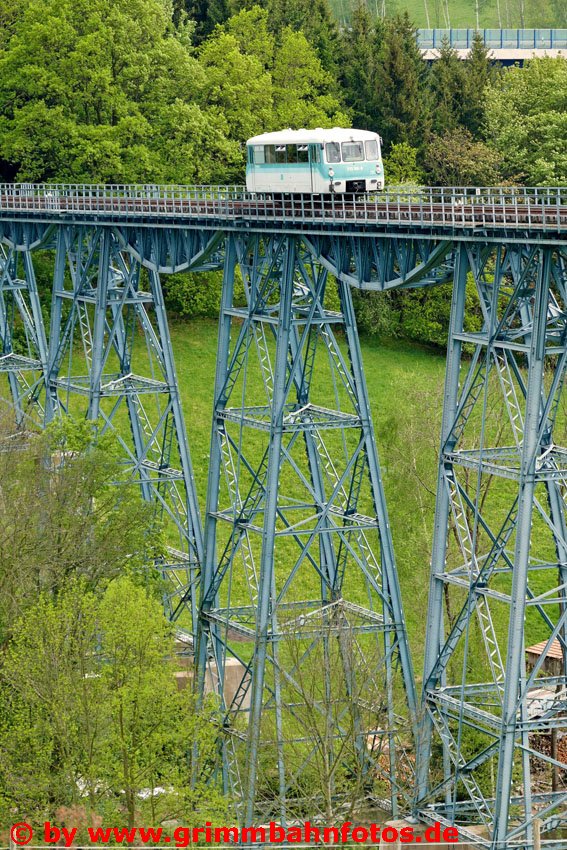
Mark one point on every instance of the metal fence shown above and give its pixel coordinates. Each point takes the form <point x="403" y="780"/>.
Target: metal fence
<point x="457" y="207"/>
<point x="495" y="39"/>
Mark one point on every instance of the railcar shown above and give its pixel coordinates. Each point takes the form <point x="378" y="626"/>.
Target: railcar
<point x="314" y="162"/>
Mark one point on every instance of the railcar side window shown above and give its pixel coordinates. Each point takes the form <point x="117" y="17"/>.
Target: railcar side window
<point x="372" y="150"/>
<point x="316" y="153"/>
<point x="353" y="152"/>
<point x="333" y="151"/>
<point x="280" y="153"/>
<point x="270" y="153"/>
<point x="303" y="153"/>
<point x="291" y="153"/>
<point x="257" y="154"/>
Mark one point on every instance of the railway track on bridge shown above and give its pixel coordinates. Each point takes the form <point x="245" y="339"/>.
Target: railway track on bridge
<point x="443" y="209"/>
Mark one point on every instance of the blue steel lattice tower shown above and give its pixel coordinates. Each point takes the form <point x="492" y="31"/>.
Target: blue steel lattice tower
<point x="299" y="584"/>
<point x="499" y="566"/>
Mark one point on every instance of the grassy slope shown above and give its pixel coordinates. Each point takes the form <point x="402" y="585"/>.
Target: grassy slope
<point x="461" y="12"/>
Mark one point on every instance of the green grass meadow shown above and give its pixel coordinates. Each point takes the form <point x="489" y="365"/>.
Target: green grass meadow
<point x="456" y="13"/>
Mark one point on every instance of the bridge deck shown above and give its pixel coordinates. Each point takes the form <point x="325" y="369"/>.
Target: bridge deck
<point x="534" y="214"/>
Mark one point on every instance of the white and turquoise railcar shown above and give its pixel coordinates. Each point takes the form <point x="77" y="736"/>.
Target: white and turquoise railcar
<point x="314" y="162"/>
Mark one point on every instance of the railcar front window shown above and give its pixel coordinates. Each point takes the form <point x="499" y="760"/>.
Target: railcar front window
<point x="372" y="150"/>
<point x="353" y="152"/>
<point x="333" y="151"/>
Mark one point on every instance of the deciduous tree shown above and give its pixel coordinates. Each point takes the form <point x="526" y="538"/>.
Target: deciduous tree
<point x="526" y="119"/>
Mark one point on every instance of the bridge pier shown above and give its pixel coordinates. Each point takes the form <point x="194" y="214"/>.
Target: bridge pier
<point x="110" y="360"/>
<point x="23" y="346"/>
<point x="499" y="566"/>
<point x="299" y="583"/>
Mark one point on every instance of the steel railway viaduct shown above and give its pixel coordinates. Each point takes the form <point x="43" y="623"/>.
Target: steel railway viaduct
<point x="289" y="585"/>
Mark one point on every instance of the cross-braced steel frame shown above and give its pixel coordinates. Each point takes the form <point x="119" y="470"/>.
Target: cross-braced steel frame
<point x="301" y="622"/>
<point x="499" y="568"/>
<point x="110" y="359"/>
<point x="300" y="626"/>
<point x="23" y="345"/>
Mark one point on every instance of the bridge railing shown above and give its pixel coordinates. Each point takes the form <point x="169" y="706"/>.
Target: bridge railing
<point x="419" y="205"/>
<point x="495" y="39"/>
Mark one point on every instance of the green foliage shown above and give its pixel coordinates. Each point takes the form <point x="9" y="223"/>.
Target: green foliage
<point x="526" y="117"/>
<point x="479" y="72"/>
<point x="424" y="313"/>
<point x="236" y="85"/>
<point x="91" y="713"/>
<point x="189" y="296"/>
<point x="421" y="315"/>
<point x="314" y="19"/>
<point x="402" y="113"/>
<point x="456" y="159"/>
<point x="93" y="93"/>
<point x="207" y="14"/>
<point x="448" y="85"/>
<point x="250" y="28"/>
<point x="400" y="166"/>
<point x="303" y="90"/>
<point x="360" y="49"/>
<point x="90" y="522"/>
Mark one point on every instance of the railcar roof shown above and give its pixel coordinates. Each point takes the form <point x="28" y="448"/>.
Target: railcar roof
<point x="299" y="137"/>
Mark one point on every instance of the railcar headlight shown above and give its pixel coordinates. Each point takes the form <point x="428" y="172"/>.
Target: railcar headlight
<point x="331" y="172"/>
<point x="378" y="168"/>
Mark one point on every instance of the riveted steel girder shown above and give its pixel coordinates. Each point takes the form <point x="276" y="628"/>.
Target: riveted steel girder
<point x="499" y="565"/>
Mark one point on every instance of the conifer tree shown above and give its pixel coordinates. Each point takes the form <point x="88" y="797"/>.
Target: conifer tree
<point x="315" y="19"/>
<point x="207" y="14"/>
<point x="448" y="87"/>
<point x="403" y="107"/>
<point x="479" y="72"/>
<point x="360" y="47"/>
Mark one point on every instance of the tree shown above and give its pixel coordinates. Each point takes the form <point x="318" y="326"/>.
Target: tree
<point x="236" y="85"/>
<point x="402" y="113"/>
<point x="250" y="28"/>
<point x="91" y="713"/>
<point x="60" y="520"/>
<point x="207" y="15"/>
<point x="400" y="166"/>
<point x="91" y="92"/>
<point x="315" y="20"/>
<point x="360" y="47"/>
<point x="526" y="121"/>
<point x="479" y="72"/>
<point x="447" y="80"/>
<point x="456" y="159"/>
<point x="303" y="90"/>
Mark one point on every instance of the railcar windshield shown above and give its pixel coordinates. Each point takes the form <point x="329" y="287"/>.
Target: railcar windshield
<point x="353" y="151"/>
<point x="333" y="151"/>
<point x="372" y="150"/>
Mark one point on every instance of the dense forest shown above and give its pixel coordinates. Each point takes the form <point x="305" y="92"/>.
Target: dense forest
<point x="153" y="91"/>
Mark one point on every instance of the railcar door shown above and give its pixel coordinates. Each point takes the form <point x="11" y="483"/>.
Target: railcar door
<point x="315" y="167"/>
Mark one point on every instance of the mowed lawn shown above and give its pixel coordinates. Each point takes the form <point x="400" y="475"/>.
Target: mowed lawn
<point x="405" y="386"/>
